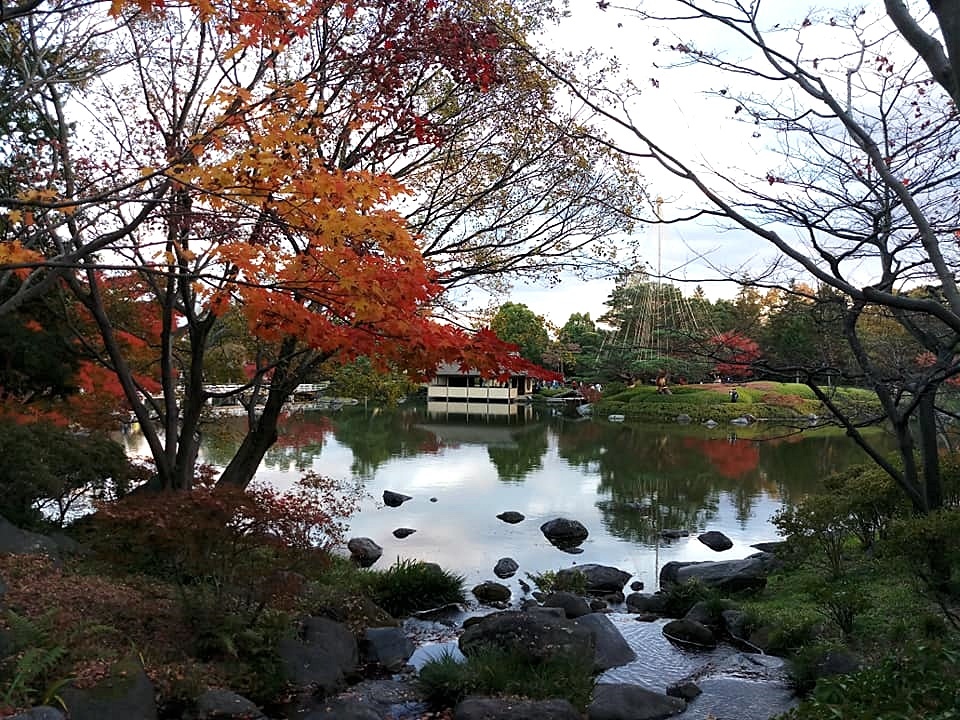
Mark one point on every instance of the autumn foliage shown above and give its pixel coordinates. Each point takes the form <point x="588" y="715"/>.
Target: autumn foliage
<point x="735" y="354"/>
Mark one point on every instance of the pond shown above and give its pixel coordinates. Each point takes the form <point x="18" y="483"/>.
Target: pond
<point x="626" y="482"/>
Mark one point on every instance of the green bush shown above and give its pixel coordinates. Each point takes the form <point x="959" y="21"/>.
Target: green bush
<point x="411" y="585"/>
<point x="922" y="683"/>
<point x="870" y="500"/>
<point x="816" y="530"/>
<point x="681" y="597"/>
<point x="550" y="581"/>
<point x="493" y="671"/>
<point x="48" y="473"/>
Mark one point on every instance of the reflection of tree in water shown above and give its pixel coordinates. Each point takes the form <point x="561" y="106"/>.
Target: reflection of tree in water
<point x="300" y="440"/>
<point x="376" y="436"/>
<point x="515" y="463"/>
<point x="654" y="478"/>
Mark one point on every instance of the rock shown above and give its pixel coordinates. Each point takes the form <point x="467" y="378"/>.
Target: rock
<point x="511" y="516"/>
<point x="536" y="635"/>
<point x="614" y="598"/>
<point x="636" y="586"/>
<point x="598" y="604"/>
<point x="673" y="533"/>
<point x="505" y="567"/>
<point x="14" y="541"/>
<point x="563" y="532"/>
<point x="599" y="579"/>
<point x="773" y="547"/>
<point x="573" y="606"/>
<point x="743" y="420"/>
<point x="127" y="693"/>
<point x="491" y="592"/>
<point x="41" y="712"/>
<point x="524" y="585"/>
<point x="401" y="533"/>
<point x="689" y="632"/>
<point x="394" y="499"/>
<point x="433" y="499"/>
<point x="479" y="708"/>
<point x="725" y="575"/>
<point x="715" y="540"/>
<point x="736" y="623"/>
<point x="709" y="612"/>
<point x="344" y="709"/>
<point x="569" y="549"/>
<point x="387" y="646"/>
<point x="322" y="655"/>
<point x="615" y="701"/>
<point x="612" y="650"/>
<point x="685" y="690"/>
<point x="647" y="603"/>
<point x="683" y="418"/>
<point x="711" y="423"/>
<point x="838" y="661"/>
<point x="227" y="705"/>
<point x="364" y="551"/>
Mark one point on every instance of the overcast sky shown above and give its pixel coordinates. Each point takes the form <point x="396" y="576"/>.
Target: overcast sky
<point x="679" y="115"/>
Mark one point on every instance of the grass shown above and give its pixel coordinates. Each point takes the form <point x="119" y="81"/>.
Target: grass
<point x="762" y="399"/>
<point x="493" y="671"/>
<point x="410" y="585"/>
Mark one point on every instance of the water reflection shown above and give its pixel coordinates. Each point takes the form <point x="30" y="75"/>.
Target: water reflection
<point x="626" y="482"/>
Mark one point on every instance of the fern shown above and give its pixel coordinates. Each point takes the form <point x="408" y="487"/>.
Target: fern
<point x="37" y="657"/>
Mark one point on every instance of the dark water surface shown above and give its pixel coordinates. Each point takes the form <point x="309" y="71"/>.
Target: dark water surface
<point x="625" y="482"/>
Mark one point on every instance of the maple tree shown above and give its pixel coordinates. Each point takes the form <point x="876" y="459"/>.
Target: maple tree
<point x="735" y="353"/>
<point x="232" y="147"/>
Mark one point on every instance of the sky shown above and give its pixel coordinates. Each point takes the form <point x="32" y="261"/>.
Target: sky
<point x="692" y="252"/>
<point x="677" y="112"/>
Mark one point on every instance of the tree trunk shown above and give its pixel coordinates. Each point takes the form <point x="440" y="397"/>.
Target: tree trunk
<point x="929" y="450"/>
<point x="258" y="440"/>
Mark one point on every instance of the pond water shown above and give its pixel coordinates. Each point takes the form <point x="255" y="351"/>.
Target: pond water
<point x="625" y="482"/>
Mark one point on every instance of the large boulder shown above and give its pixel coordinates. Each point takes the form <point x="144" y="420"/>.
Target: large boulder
<point x="539" y="636"/>
<point x="364" y="551"/>
<point x="321" y="656"/>
<point x="656" y="603"/>
<point x="725" y="575"/>
<point x="387" y="646"/>
<point x="564" y="532"/>
<point x="41" y="712"/>
<point x="600" y="579"/>
<point x="573" y="606"/>
<point x="689" y="632"/>
<point x="615" y="701"/>
<point x="481" y="708"/>
<point x="612" y="650"/>
<point x="225" y="705"/>
<point x="14" y="541"/>
<point x="126" y="693"/>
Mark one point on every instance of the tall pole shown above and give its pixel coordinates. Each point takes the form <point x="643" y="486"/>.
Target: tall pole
<point x="659" y="313"/>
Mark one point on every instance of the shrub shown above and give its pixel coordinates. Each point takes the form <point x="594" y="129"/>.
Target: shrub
<point x="411" y="585"/>
<point x="816" y="530"/>
<point x="870" y="500"/>
<point x="929" y="544"/>
<point x="922" y="683"/>
<point x="494" y="671"/>
<point x="47" y="473"/>
<point x="681" y="597"/>
<point x="550" y="581"/>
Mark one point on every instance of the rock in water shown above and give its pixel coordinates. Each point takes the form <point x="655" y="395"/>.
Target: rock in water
<point x="394" y="499"/>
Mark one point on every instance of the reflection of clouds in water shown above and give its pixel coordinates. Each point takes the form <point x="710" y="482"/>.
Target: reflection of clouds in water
<point x="461" y="531"/>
